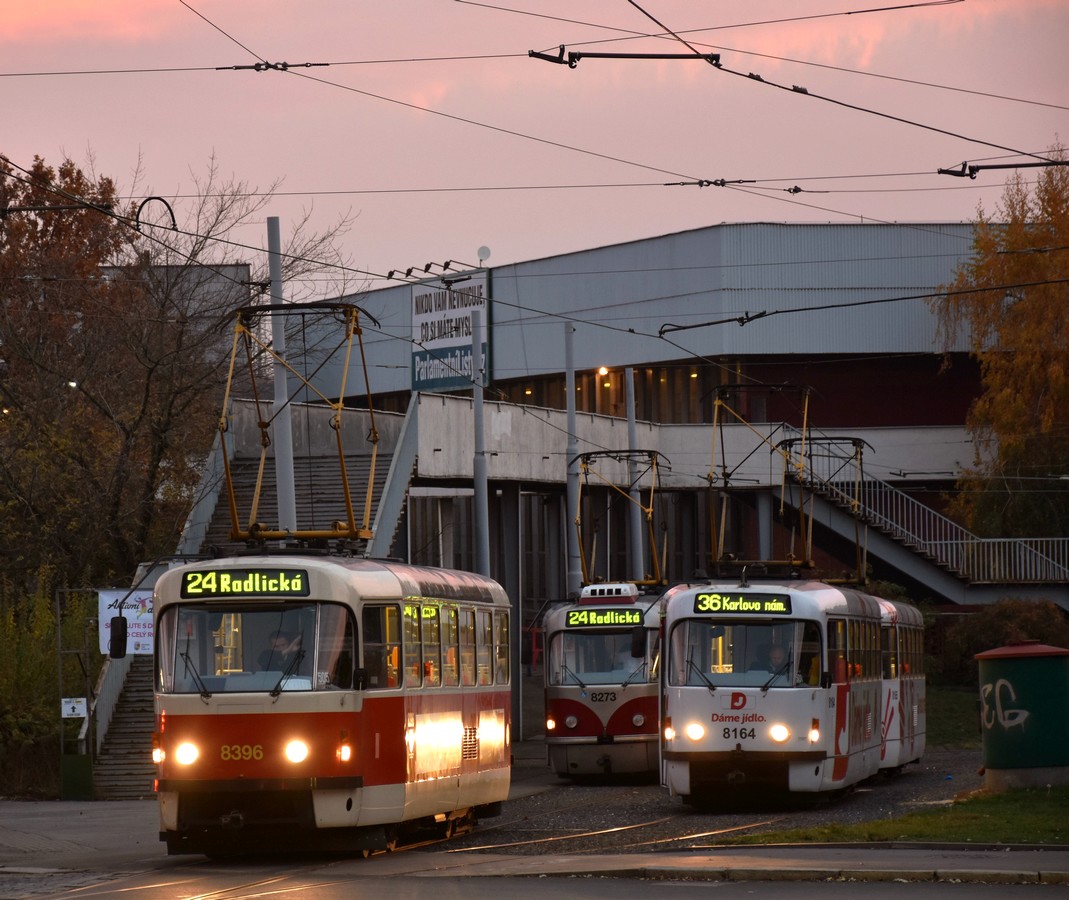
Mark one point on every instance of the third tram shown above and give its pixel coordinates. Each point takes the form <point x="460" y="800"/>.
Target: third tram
<point x="797" y="686"/>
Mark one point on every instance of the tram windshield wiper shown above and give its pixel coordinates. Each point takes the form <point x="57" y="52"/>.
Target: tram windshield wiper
<point x="634" y="672"/>
<point x="191" y="669"/>
<point x="565" y="672"/>
<point x="290" y="669"/>
<point x="692" y="665"/>
<point x="782" y="670"/>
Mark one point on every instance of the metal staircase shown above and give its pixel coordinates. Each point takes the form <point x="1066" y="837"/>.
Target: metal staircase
<point x="825" y="467"/>
<point x="123" y="768"/>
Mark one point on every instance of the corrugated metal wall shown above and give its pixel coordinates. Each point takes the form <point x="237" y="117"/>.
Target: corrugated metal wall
<point x="621" y="297"/>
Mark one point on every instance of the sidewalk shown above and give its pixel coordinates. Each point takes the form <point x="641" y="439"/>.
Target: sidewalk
<point x="53" y="835"/>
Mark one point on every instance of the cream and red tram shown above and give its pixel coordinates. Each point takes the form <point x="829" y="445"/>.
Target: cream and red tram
<point x="601" y="682"/>
<point x="317" y="701"/>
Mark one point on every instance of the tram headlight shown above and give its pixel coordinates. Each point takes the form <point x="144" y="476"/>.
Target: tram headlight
<point x="158" y="755"/>
<point x="296" y="751"/>
<point x="571" y="722"/>
<point x="669" y="731"/>
<point x="551" y="724"/>
<point x="779" y="733"/>
<point x="638" y="720"/>
<point x="814" y="732"/>
<point x="695" y="731"/>
<point x="345" y="749"/>
<point x="186" y="753"/>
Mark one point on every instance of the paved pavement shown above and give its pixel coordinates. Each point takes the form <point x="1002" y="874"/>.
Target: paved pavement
<point x="52" y="835"/>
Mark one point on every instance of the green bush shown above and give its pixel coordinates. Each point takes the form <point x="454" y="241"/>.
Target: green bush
<point x="30" y="722"/>
<point x="1010" y="621"/>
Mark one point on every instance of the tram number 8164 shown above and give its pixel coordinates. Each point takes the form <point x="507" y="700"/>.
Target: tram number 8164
<point x="739" y="734"/>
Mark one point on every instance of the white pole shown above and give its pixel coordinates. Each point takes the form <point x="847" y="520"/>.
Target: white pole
<point x="575" y="572"/>
<point x="482" y="506"/>
<point x="638" y="560"/>
<point x="282" y="428"/>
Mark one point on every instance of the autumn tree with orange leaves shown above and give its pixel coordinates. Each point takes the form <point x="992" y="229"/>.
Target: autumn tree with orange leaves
<point x="1011" y="299"/>
<point x="115" y="329"/>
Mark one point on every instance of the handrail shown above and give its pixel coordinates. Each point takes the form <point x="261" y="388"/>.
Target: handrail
<point x="840" y="477"/>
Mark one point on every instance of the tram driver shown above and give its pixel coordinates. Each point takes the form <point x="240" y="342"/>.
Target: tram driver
<point x="280" y="653"/>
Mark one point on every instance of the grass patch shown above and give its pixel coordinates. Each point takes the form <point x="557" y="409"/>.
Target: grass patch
<point x="1032" y="816"/>
<point x="952" y="718"/>
<point x="1026" y="816"/>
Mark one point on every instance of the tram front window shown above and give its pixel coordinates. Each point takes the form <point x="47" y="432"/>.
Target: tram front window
<point x="745" y="654"/>
<point x="592" y="657"/>
<point x="255" y="648"/>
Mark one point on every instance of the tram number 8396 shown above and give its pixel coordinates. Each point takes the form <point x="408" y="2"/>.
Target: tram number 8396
<point x="240" y="752"/>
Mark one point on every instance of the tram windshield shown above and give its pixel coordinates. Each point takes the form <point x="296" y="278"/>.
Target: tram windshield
<point x="745" y="654"/>
<point x="596" y="657"/>
<point x="240" y="648"/>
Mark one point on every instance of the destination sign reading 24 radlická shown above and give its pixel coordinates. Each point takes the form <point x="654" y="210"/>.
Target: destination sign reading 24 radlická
<point x="245" y="583"/>
<point x="754" y="604"/>
<point x="594" y="618"/>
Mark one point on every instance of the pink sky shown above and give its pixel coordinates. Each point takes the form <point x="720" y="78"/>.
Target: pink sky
<point x="347" y="142"/>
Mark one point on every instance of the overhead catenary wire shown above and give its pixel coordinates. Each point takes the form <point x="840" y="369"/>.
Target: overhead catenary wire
<point x="304" y="309"/>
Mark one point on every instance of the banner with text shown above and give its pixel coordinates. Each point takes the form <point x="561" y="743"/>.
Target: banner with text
<point x="442" y="332"/>
<point x="137" y="607"/>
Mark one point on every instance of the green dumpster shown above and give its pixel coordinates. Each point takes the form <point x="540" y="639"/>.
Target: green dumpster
<point x="1024" y="715"/>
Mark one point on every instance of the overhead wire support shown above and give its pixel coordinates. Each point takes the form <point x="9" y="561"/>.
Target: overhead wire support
<point x="703" y="182"/>
<point x="265" y="66"/>
<point x="970" y="171"/>
<point x="573" y="57"/>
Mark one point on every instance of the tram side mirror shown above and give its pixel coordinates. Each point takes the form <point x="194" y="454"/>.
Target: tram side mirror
<point x="117" y="640"/>
<point x="638" y="641"/>
<point x="360" y="679"/>
<point x="825" y="680"/>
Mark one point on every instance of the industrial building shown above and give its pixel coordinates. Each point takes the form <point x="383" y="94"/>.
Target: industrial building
<point x="756" y="391"/>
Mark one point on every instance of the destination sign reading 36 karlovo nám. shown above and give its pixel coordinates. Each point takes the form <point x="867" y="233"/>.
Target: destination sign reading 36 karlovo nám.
<point x="752" y="604"/>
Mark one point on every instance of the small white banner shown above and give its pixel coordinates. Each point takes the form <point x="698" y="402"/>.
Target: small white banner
<point x="73" y="708"/>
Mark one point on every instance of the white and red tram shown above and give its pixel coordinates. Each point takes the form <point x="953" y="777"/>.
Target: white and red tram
<point x="318" y="701"/>
<point x="903" y="713"/>
<point x="780" y="686"/>
<point x="601" y="682"/>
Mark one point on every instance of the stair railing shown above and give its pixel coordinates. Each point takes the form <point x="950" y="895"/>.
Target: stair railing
<point x="823" y="465"/>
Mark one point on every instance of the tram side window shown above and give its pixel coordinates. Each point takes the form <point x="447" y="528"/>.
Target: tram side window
<point x="889" y="651"/>
<point x="432" y="645"/>
<point x="337" y="642"/>
<point x="872" y="649"/>
<point x="412" y="646"/>
<point x="838" y="650"/>
<point x="450" y="648"/>
<point x="913" y="652"/>
<point x="467" y="646"/>
<point x="501" y="647"/>
<point x="485" y="646"/>
<point x="382" y="646"/>
<point x="809" y="656"/>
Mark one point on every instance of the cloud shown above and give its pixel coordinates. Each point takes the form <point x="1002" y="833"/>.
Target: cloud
<point x="57" y="21"/>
